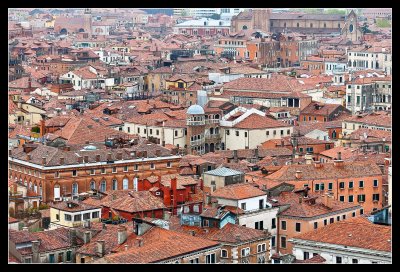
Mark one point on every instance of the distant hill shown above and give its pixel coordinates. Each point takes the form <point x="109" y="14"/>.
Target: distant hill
<point x="166" y="11"/>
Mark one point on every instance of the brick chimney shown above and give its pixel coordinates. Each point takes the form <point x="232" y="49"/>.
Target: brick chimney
<point x="28" y="157"/>
<point x="317" y="164"/>
<point x="80" y="160"/>
<point x="338" y="163"/>
<point x="139" y="241"/>
<point x="97" y="157"/>
<point x="42" y="127"/>
<point x="35" y="251"/>
<point x="62" y="161"/>
<point x="309" y="158"/>
<point x="327" y="200"/>
<point x="282" y="143"/>
<point x="174" y="182"/>
<point x="158" y="153"/>
<point x="145" y="154"/>
<point x="122" y="235"/>
<point x="235" y="155"/>
<point x="101" y="244"/>
<point x="119" y="155"/>
<point x="109" y="156"/>
<point x="299" y="174"/>
<point x="72" y="237"/>
<point x="86" y="158"/>
<point x="43" y="160"/>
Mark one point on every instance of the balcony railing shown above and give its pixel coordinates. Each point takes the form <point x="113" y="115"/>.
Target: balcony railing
<point x="212" y="136"/>
<point x="195" y="123"/>
<point x="212" y="121"/>
<point x="197" y="142"/>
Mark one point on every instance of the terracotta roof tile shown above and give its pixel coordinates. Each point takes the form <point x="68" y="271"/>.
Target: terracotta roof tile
<point x="238" y="191"/>
<point x="136" y="202"/>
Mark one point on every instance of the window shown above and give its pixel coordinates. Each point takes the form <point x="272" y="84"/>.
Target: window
<point x="283" y="242"/>
<point x="315" y="225"/>
<point x="361" y="198"/>
<point x="322" y="186"/>
<point x="115" y="184"/>
<point x="341" y="185"/>
<point x="375" y="197"/>
<point x="273" y="223"/>
<point x="114" y="169"/>
<point x="361" y="211"/>
<point x="77" y="218"/>
<point x="227" y="132"/>
<point x="281" y="131"/>
<point x="338" y="259"/>
<point x="274" y="132"/>
<point x="69" y="256"/>
<point x="195" y="260"/>
<point x="103" y="186"/>
<point x="351" y="198"/>
<point x="374" y="262"/>
<point x="354" y="261"/>
<point x="243" y="206"/>
<point x="75" y="189"/>
<point x="316" y="187"/>
<point x="245" y="134"/>
<point x="103" y="170"/>
<point x="86" y="216"/>
<point x="125" y="168"/>
<point x="152" y="166"/>
<point x="95" y="214"/>
<point x="330" y="186"/>
<point x="325" y="222"/>
<point x="283" y="225"/>
<point x="259" y="225"/>
<point x="52" y="258"/>
<point x="92" y="172"/>
<point x="298" y="227"/>
<point x="351" y="184"/>
<point x="267" y="133"/>
<point x="337" y="218"/>
<point x="67" y="217"/>
<point x="205" y="223"/>
<point x="273" y="241"/>
<point x="375" y="183"/>
<point x="138" y="130"/>
<point x="224" y="253"/>
<point x="306" y="255"/>
<point x="74" y="173"/>
<point x="237" y="133"/>
<point x="288" y="132"/>
<point x="136" y="167"/>
<point x="343" y="216"/>
<point x="361" y="184"/>
<point x="341" y="198"/>
<point x="261" y="248"/>
<point x="57" y="174"/>
<point x="331" y="220"/>
<point x="210" y="258"/>
<point x="245" y="252"/>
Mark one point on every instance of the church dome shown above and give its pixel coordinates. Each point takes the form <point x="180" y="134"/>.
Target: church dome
<point x="195" y="109"/>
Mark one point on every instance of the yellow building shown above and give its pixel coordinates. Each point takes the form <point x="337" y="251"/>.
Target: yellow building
<point x="25" y="113"/>
<point x="73" y="214"/>
<point x="156" y="78"/>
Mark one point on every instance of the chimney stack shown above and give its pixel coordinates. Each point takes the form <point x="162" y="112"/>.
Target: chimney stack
<point x="86" y="237"/>
<point x="300" y="199"/>
<point x="282" y="143"/>
<point x="338" y="163"/>
<point x="158" y="153"/>
<point x="126" y="247"/>
<point x="119" y="155"/>
<point x="339" y="155"/>
<point x="139" y="241"/>
<point x="122" y="235"/>
<point x="62" y="161"/>
<point x="97" y="157"/>
<point x="309" y="158"/>
<point x="86" y="158"/>
<point x="109" y="156"/>
<point x="43" y="160"/>
<point x="327" y="199"/>
<point x="298" y="174"/>
<point x="35" y="251"/>
<point x="192" y="232"/>
<point x="80" y="160"/>
<point x="28" y="157"/>
<point x="317" y="164"/>
<point x="101" y="248"/>
<point x="72" y="237"/>
<point x="235" y="155"/>
<point x="145" y="154"/>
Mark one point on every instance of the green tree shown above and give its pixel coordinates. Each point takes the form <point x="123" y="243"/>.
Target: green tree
<point x="335" y="11"/>
<point x="365" y="29"/>
<point x="383" y="23"/>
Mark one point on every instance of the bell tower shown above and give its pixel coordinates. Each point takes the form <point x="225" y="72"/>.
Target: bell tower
<point x="87" y="15"/>
<point x="261" y="19"/>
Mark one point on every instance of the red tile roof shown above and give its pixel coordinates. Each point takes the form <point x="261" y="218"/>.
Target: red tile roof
<point x="356" y="232"/>
<point x="136" y="202"/>
<point x="255" y="121"/>
<point x="238" y="191"/>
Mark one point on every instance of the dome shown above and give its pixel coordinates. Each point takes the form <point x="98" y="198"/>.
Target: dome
<point x="195" y="109"/>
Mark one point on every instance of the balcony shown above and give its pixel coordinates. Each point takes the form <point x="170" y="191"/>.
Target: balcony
<point x="197" y="142"/>
<point x="212" y="121"/>
<point x="213" y="137"/>
<point x="195" y="123"/>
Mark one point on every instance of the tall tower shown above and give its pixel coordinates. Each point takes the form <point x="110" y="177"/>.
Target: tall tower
<point x="195" y="130"/>
<point x="87" y="15"/>
<point x="261" y="19"/>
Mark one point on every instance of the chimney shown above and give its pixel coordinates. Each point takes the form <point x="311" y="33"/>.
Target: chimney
<point x="300" y="199"/>
<point x="309" y="158"/>
<point x="72" y="237"/>
<point x="62" y="160"/>
<point x="104" y="226"/>
<point x="192" y="232"/>
<point x="139" y="241"/>
<point x="109" y="156"/>
<point x="145" y="154"/>
<point x="167" y="215"/>
<point x="29" y="83"/>
<point x="235" y="155"/>
<point x="126" y="247"/>
<point x="119" y="155"/>
<point x="339" y="155"/>
<point x="35" y="251"/>
<point x="10" y="152"/>
<point x="298" y="174"/>
<point x="256" y="155"/>
<point x="86" y="158"/>
<point x="327" y="199"/>
<point x="158" y="153"/>
<point x="97" y="157"/>
<point x="174" y="192"/>
<point x="282" y="143"/>
<point x="122" y="235"/>
<point x="87" y="142"/>
<point x="338" y="163"/>
<point x="101" y="248"/>
<point x="43" y="160"/>
<point x="201" y="184"/>
<point x="86" y="237"/>
<point x="28" y="157"/>
<point x="80" y="160"/>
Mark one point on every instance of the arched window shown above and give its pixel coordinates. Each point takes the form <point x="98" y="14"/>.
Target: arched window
<point x="103" y="186"/>
<point x="125" y="184"/>
<point x="40" y="189"/>
<point x="244" y="27"/>
<point x="30" y="185"/>
<point x="224" y="253"/>
<point x="135" y="184"/>
<point x="35" y="188"/>
<point x="298" y="25"/>
<point x="115" y="184"/>
<point x="92" y="185"/>
<point x="25" y="183"/>
<point x="211" y="130"/>
<point x="75" y="189"/>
